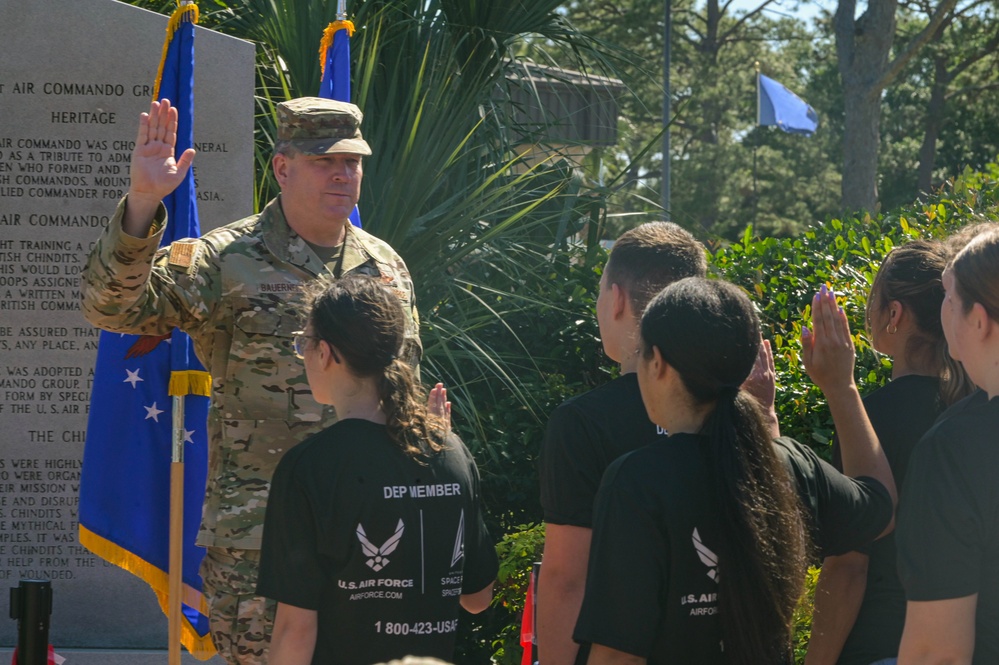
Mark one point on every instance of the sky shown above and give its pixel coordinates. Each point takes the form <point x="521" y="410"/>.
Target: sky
<point x="806" y="10"/>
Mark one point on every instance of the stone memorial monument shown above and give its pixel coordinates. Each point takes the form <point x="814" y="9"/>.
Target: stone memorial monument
<point x="74" y="77"/>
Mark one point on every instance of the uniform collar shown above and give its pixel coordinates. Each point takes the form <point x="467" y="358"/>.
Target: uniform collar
<point x="287" y="245"/>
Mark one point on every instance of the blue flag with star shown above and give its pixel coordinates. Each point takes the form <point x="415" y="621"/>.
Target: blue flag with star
<point x="125" y="481"/>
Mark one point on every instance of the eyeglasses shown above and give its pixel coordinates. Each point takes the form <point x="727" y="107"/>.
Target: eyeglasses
<point x="298" y="343"/>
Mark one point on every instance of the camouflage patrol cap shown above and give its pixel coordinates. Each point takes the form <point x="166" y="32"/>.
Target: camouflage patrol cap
<point x="318" y="126"/>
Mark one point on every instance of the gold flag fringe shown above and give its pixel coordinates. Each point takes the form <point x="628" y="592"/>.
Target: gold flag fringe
<point x="201" y="647"/>
<point x="185" y="12"/>
<point x="190" y="382"/>
<point x="327" y="41"/>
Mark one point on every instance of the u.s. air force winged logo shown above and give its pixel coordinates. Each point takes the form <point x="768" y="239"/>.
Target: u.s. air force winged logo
<point x="378" y="556"/>
<point x="708" y="558"/>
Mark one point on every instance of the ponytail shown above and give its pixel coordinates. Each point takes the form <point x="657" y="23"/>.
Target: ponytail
<point x="955" y="384"/>
<point x="763" y="552"/>
<point x="407" y="422"/>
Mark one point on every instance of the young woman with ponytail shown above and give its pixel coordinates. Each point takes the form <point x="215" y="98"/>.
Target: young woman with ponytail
<point x="374" y="532"/>
<point x="860" y="603"/>
<point x="701" y="540"/>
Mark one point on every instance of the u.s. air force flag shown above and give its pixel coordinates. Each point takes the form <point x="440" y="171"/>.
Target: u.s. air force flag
<point x="125" y="481"/>
<point x="334" y="58"/>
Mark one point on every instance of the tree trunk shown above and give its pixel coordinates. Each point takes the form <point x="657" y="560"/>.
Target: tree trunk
<point x="862" y="49"/>
<point x="712" y="21"/>
<point x="861" y="140"/>
<point x="934" y="122"/>
<point x="863" y="46"/>
<point x="712" y="110"/>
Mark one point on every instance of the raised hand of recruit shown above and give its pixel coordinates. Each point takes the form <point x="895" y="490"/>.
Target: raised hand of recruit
<point x="827" y="348"/>
<point x="762" y="381"/>
<point x="828" y="354"/>
<point x="762" y="385"/>
<point x="437" y="405"/>
<point x="155" y="171"/>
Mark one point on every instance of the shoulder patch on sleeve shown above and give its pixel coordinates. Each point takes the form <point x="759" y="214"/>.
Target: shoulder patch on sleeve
<point x="183" y="253"/>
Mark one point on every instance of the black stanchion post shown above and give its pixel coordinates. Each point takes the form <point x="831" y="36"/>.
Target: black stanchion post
<point x="30" y="606"/>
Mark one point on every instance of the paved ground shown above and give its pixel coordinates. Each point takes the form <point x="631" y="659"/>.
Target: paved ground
<point x="122" y="657"/>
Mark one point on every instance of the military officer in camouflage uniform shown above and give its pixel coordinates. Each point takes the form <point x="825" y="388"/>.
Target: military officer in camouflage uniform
<point x="235" y="291"/>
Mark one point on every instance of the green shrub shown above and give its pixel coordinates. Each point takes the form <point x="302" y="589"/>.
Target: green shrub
<point x="802" y="618"/>
<point x="782" y="275"/>
<point x="517" y="553"/>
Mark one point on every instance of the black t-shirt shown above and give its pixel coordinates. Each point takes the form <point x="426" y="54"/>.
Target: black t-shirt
<point x="900" y="412"/>
<point x="843" y="513"/>
<point x="948" y="524"/>
<point x="585" y="434"/>
<point x="379" y="543"/>
<point x="651" y="587"/>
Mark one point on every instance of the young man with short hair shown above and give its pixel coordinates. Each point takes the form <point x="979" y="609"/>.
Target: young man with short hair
<point x="589" y="431"/>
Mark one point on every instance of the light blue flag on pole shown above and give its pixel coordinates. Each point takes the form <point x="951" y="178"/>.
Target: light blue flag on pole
<point x="776" y="105"/>
<point x="334" y="58"/>
<point x="125" y="480"/>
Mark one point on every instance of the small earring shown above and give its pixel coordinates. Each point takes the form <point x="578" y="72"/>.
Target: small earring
<point x="891" y="329"/>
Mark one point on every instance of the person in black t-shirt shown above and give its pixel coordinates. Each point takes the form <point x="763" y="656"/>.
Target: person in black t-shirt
<point x="374" y="533"/>
<point x="948" y="525"/>
<point x="699" y="544"/>
<point x="859" y="601"/>
<point x="589" y="431"/>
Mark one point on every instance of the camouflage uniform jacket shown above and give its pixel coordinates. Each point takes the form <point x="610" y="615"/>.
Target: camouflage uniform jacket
<point x="237" y="295"/>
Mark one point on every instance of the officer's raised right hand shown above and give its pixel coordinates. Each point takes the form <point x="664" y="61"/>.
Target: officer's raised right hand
<point x="154" y="170"/>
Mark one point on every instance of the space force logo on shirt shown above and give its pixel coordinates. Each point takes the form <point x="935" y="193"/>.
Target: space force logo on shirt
<point x="451" y="584"/>
<point x="378" y="556"/>
<point x="459" y="541"/>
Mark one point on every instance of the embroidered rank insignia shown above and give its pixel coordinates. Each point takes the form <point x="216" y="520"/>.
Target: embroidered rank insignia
<point x="182" y="253"/>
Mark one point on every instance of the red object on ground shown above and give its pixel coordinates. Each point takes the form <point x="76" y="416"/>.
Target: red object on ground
<point x="527" y="625"/>
<point x="51" y="659"/>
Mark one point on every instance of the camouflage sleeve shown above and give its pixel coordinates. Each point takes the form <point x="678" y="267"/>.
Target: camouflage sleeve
<point x="412" y="349"/>
<point x="131" y="286"/>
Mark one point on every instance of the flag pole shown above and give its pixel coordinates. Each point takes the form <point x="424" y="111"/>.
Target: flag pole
<point x="756" y="143"/>
<point x="666" y="188"/>
<point x="757" y="66"/>
<point x="341" y="10"/>
<point x="176" y="531"/>
<point x="176" y="544"/>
